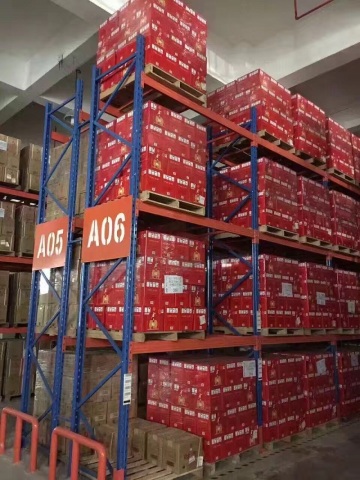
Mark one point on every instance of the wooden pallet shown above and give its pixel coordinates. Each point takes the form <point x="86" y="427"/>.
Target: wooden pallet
<point x="276" y="141"/>
<point x="173" y="203"/>
<point x="315" y="242"/>
<point x="125" y="96"/>
<point x="286" y="442"/>
<point x="139" y="469"/>
<point x="317" y="162"/>
<point x="241" y="459"/>
<point x="241" y="330"/>
<point x="147" y="336"/>
<point x="279" y="232"/>
<point x="320" y="331"/>
<point x="7" y="253"/>
<point x="268" y="332"/>
<point x="341" y="249"/>
<point x="341" y="175"/>
<point x="323" y="428"/>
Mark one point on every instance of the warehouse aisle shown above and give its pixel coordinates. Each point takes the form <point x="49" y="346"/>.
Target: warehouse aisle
<point x="328" y="457"/>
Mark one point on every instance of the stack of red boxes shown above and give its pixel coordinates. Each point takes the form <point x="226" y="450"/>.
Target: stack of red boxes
<point x="355" y="142"/>
<point x="256" y="89"/>
<point x="283" y="396"/>
<point x="349" y="382"/>
<point x="339" y="149"/>
<point x="210" y="397"/>
<point x="314" y="210"/>
<point x="175" y="40"/>
<point x="173" y="156"/>
<point x="344" y="218"/>
<point x="309" y="128"/>
<point x="281" y="304"/>
<point x="321" y="308"/>
<point x="277" y="186"/>
<point x="348" y="295"/>
<point x="319" y="388"/>
<point x="170" y="286"/>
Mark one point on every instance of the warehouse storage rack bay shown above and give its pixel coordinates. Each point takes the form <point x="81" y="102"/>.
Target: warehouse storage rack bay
<point x="209" y="273"/>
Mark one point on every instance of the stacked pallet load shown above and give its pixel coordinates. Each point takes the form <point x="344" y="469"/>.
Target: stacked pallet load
<point x="277" y="186"/>
<point x="319" y="388"/>
<point x="348" y="361"/>
<point x="348" y="295"/>
<point x="320" y="312"/>
<point x="283" y="396"/>
<point x="281" y="302"/>
<point x="309" y="131"/>
<point x="339" y="151"/>
<point x="173" y="159"/>
<point x="30" y="166"/>
<point x="271" y="99"/>
<point x="212" y="397"/>
<point x="170" y="287"/>
<point x="175" y="43"/>
<point x="314" y="213"/>
<point x="9" y="160"/>
<point x="355" y="142"/>
<point x="344" y="219"/>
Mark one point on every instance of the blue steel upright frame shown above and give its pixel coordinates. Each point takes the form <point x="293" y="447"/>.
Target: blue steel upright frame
<point x="133" y="65"/>
<point x="68" y="210"/>
<point x="214" y="168"/>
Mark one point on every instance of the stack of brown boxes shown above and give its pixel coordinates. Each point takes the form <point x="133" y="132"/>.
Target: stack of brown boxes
<point x="30" y="168"/>
<point x="102" y="408"/>
<point x="12" y="378"/>
<point x="25" y="221"/>
<point x="4" y="295"/>
<point x="20" y="291"/>
<point x="9" y="160"/>
<point x="48" y="304"/>
<point x="7" y="227"/>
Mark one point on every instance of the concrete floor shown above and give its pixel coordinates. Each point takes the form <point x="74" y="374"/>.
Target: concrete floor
<point x="333" y="456"/>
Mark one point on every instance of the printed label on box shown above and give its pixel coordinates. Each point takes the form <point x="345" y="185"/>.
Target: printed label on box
<point x="321" y="366"/>
<point x="351" y="306"/>
<point x="173" y="284"/>
<point x="249" y="369"/>
<point x="260" y="369"/>
<point x="3" y="145"/>
<point x="320" y="298"/>
<point x="2" y="212"/>
<point x="354" y="360"/>
<point x="202" y="319"/>
<point x="192" y="459"/>
<point x="127" y="389"/>
<point x="287" y="290"/>
<point x="200" y="462"/>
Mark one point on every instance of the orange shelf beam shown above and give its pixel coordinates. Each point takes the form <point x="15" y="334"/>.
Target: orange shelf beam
<point x="12" y="330"/>
<point x="18" y="194"/>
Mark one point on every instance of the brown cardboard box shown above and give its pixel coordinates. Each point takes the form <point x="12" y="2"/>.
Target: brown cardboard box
<point x="30" y="168"/>
<point x="4" y="295"/>
<point x="10" y="151"/>
<point x="25" y="221"/>
<point x="2" y="361"/>
<point x="7" y="226"/>
<point x="9" y="175"/>
<point x="182" y="452"/>
<point x="20" y="289"/>
<point x="13" y="368"/>
<point x="140" y="435"/>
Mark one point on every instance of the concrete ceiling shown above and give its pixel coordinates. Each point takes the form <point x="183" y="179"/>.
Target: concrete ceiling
<point x="317" y="55"/>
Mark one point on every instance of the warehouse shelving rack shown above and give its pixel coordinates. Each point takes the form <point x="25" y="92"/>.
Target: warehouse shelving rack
<point x="127" y="347"/>
<point x="33" y="338"/>
<point x="208" y="227"/>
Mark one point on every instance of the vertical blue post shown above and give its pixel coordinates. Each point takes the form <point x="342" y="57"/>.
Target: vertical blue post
<point x="210" y="247"/>
<point x="123" y="423"/>
<point x="30" y="338"/>
<point x="255" y="265"/>
<point x="64" y="303"/>
<point x="84" y="281"/>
